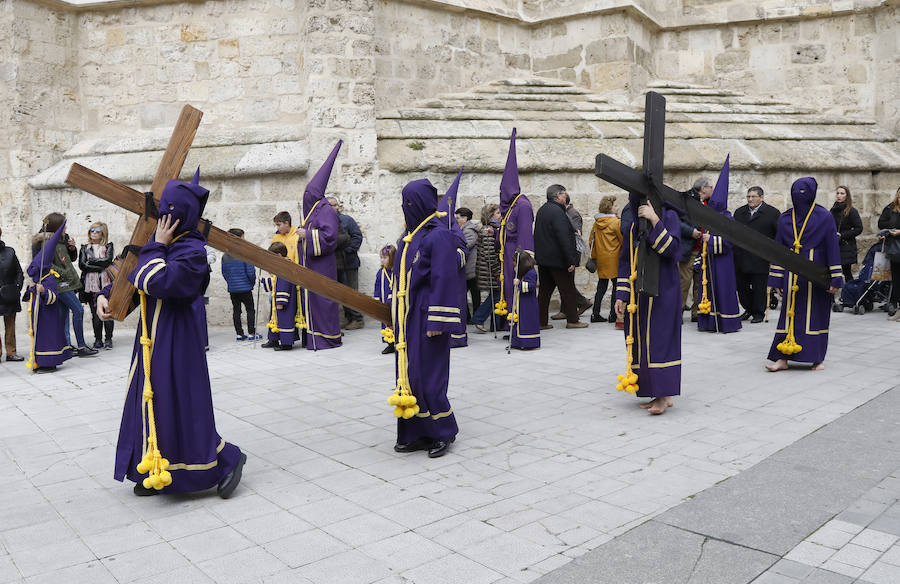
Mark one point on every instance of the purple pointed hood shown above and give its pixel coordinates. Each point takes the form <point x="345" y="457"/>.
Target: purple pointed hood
<point x="315" y="190"/>
<point x="419" y="200"/>
<point x="448" y="203"/>
<point x="719" y="198"/>
<point x="184" y="201"/>
<point x="803" y="195"/>
<point x="40" y="264"/>
<point x="509" y="184"/>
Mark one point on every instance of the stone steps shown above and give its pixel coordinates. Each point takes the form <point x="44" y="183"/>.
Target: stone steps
<point x="475" y="103"/>
<point x="527" y="90"/>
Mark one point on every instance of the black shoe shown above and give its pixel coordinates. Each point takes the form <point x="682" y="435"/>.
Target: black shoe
<point x="891" y="309"/>
<point x="230" y="482"/>
<point x="746" y="315"/>
<point x="14" y="358"/>
<point x="597" y="318"/>
<point x="388" y="350"/>
<point x="108" y="344"/>
<point x="439" y="448"/>
<point x="756" y="319"/>
<point x="685" y="308"/>
<point x="773" y="302"/>
<point x="283" y="347"/>
<point x="693" y="319"/>
<point x="414" y="446"/>
<point x="837" y="307"/>
<point x="269" y="344"/>
<point x="98" y="344"/>
<point x="142" y="491"/>
<point x="45" y="369"/>
<point x="505" y="337"/>
<point x="86" y="352"/>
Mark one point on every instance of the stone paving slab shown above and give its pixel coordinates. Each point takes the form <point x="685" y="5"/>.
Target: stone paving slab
<point x="551" y="462"/>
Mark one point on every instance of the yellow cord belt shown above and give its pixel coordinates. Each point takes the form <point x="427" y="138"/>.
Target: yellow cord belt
<point x="501" y="307"/>
<point x="628" y="381"/>
<point x="704" y="306"/>
<point x="789" y="345"/>
<point x="299" y="320"/>
<point x="402" y="399"/>
<point x="152" y="461"/>
<point x="273" y="319"/>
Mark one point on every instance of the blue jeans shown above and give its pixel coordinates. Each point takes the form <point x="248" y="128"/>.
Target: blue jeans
<point x="70" y="303"/>
<point x="487" y="308"/>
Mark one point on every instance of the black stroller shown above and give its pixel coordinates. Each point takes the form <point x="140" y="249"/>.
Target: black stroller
<point x="862" y="293"/>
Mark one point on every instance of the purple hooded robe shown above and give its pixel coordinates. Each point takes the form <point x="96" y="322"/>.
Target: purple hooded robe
<point x="282" y="311"/>
<point x="517" y="223"/>
<point x="458" y="338"/>
<point x="432" y="300"/>
<point x="813" y="304"/>
<point x="656" y="352"/>
<point x="721" y="286"/>
<point x="172" y="277"/>
<point x="320" y="220"/>
<point x="50" y="346"/>
<point x="526" y="333"/>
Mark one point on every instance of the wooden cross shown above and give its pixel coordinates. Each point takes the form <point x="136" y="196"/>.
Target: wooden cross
<point x="649" y="184"/>
<point x="169" y="169"/>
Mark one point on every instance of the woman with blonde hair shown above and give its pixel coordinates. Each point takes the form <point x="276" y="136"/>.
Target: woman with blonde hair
<point x="94" y="259"/>
<point x="605" y="244"/>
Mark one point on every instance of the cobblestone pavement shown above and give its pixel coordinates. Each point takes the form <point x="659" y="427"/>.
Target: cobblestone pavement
<point x="551" y="461"/>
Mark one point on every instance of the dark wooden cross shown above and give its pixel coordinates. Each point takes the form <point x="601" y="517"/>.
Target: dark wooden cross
<point x="169" y="169"/>
<point x="649" y="184"/>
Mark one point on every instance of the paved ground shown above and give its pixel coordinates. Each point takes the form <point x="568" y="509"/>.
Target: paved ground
<point x="551" y="463"/>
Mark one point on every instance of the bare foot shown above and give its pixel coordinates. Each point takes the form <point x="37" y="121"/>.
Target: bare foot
<point x="779" y="365"/>
<point x="646" y="405"/>
<point x="670" y="403"/>
<point x="818" y="366"/>
<point x="658" y="406"/>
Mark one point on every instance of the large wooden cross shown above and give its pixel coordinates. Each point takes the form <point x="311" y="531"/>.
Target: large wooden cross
<point x="169" y="169"/>
<point x="649" y="184"/>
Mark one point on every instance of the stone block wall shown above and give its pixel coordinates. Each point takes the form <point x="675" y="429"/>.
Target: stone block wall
<point x="422" y="50"/>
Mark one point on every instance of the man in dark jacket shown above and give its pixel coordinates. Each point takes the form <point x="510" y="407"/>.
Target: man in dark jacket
<point x="751" y="271"/>
<point x="556" y="256"/>
<point x="690" y="247"/>
<point x="348" y="261"/>
<point x="11" y="280"/>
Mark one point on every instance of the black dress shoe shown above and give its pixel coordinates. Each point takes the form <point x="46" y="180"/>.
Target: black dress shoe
<point x="231" y="480"/>
<point x="505" y="337"/>
<point x="439" y="448"/>
<point x="597" y="318"/>
<point x="415" y="445"/>
<point x="746" y="315"/>
<point x="283" y="347"/>
<point x="86" y="352"/>
<point x="45" y="369"/>
<point x="693" y="319"/>
<point x="142" y="491"/>
<point x="15" y="358"/>
<point x="388" y="350"/>
<point x="269" y="345"/>
<point x="756" y="319"/>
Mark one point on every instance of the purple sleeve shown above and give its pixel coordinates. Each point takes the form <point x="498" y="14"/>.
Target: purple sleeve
<point x="665" y="236"/>
<point x="525" y="226"/>
<point x="443" y="285"/>
<point x="776" y="272"/>
<point x="623" y="290"/>
<point x="321" y="233"/>
<point x="833" y="257"/>
<point x="162" y="274"/>
<point x="283" y="291"/>
<point x="528" y="285"/>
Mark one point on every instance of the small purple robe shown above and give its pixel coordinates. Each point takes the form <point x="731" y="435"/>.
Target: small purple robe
<point x="323" y="320"/>
<point x="172" y="277"/>
<point x="432" y="264"/>
<point x="813" y="304"/>
<point x="656" y="351"/>
<point x="721" y="289"/>
<point x="284" y="306"/>
<point x="384" y="291"/>
<point x="50" y="346"/>
<point x="526" y="333"/>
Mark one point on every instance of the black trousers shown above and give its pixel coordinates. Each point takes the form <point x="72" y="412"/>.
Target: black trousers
<point x="549" y="279"/>
<point x="475" y="293"/>
<point x="245" y="298"/>
<point x="848" y="272"/>
<point x="751" y="290"/>
<point x="350" y="278"/>
<point x="895" y="282"/>
<point x="100" y="326"/>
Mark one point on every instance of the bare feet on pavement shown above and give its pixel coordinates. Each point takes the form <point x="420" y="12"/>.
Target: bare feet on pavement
<point x="779" y="365"/>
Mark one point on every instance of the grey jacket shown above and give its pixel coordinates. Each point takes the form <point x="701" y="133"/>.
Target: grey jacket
<point x="470" y="231"/>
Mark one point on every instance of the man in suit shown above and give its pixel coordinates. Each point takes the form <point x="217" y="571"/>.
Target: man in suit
<point x="751" y="271"/>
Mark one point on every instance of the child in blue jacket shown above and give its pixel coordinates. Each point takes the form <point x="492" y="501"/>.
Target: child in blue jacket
<point x="240" y="277"/>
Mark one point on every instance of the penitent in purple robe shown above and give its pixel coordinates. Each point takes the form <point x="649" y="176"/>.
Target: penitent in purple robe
<point x="656" y="351"/>
<point x="282" y="312"/>
<point x="320" y="220"/>
<point x="526" y="333"/>
<point x="172" y="277"/>
<point x="50" y="347"/>
<point x="431" y="264"/>
<point x="517" y="223"/>
<point x="812" y="304"/>
<point x="721" y="286"/>
<point x="459" y="337"/>
<point x="384" y="290"/>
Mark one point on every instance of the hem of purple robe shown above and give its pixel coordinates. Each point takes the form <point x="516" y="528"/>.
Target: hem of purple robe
<point x="321" y="343"/>
<point x="190" y="481"/>
<point x="413" y="429"/>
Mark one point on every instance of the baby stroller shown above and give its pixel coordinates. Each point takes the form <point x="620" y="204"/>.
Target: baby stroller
<point x="862" y="293"/>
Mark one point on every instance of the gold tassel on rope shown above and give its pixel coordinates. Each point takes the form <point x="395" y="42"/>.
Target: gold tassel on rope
<point x="628" y="382"/>
<point x="789" y="345"/>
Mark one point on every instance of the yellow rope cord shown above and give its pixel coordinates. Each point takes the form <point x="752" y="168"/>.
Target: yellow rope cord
<point x="501" y="307"/>
<point x="273" y="319"/>
<point x="628" y="382"/>
<point x="704" y="306"/>
<point x="152" y="461"/>
<point x="387" y="333"/>
<point x="789" y="345"/>
<point x="299" y="320"/>
<point x="402" y="399"/>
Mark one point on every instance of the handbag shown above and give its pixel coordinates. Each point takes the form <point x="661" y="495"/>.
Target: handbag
<point x="591" y="265"/>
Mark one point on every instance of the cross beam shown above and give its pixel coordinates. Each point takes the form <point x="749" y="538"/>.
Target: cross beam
<point x="649" y="184"/>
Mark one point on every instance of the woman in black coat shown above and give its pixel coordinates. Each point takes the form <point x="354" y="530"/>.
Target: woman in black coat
<point x="849" y="226"/>
<point x="94" y="259"/>
<point x="11" y="280"/>
<point x="890" y="220"/>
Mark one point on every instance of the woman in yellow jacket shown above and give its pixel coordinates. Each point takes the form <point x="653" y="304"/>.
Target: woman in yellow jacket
<point x="605" y="245"/>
